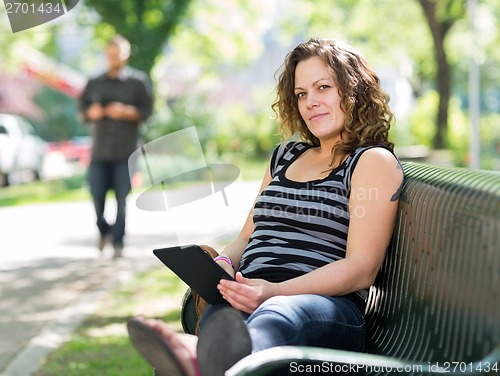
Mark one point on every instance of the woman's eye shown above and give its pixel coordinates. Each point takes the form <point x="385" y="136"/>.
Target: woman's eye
<point x="323" y="87"/>
<point x="300" y="95"/>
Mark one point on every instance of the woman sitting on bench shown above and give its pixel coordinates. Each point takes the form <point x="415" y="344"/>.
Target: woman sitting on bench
<point x="317" y="234"/>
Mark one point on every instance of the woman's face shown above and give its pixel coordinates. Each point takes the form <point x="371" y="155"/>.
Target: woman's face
<point x="318" y="99"/>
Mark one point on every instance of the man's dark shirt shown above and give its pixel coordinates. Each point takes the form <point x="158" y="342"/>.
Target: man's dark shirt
<point x="115" y="140"/>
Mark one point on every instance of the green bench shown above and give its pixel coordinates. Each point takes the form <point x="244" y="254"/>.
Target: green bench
<point x="435" y="305"/>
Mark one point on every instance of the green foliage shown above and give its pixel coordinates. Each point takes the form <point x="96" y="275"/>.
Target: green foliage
<point x="60" y="120"/>
<point x="490" y="141"/>
<point x="390" y="32"/>
<point x="213" y="39"/>
<point x="227" y="133"/>
<point x="458" y="134"/>
<point x="184" y="112"/>
<point x="221" y="35"/>
<point x="483" y="49"/>
<point x="243" y="135"/>
<point x="421" y="131"/>
<point x="382" y="29"/>
<point x="421" y="120"/>
<point x="449" y="11"/>
<point x="459" y="138"/>
<point x="14" y="47"/>
<point x="422" y="127"/>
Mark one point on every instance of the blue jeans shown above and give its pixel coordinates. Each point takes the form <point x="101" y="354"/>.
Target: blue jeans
<point x="102" y="177"/>
<point x="305" y="320"/>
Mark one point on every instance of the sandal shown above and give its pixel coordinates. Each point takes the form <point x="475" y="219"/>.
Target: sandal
<point x="156" y="350"/>
<point x="223" y="341"/>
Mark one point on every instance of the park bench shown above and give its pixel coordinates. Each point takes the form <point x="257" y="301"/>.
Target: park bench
<point x="435" y="305"/>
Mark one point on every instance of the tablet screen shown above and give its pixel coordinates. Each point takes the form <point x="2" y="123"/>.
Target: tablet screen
<point x="196" y="268"/>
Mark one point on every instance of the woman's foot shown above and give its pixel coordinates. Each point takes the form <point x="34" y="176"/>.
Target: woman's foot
<point x="223" y="341"/>
<point x="171" y="353"/>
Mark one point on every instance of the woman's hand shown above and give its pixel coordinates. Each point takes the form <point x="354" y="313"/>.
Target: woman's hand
<point x="246" y="294"/>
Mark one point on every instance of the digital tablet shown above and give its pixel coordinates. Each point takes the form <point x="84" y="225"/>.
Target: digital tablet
<point x="196" y="268"/>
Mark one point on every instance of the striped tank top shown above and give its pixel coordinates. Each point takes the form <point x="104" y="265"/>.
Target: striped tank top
<point x="299" y="226"/>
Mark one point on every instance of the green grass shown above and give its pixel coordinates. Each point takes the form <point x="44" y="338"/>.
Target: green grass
<point x="100" y="346"/>
<point x="74" y="188"/>
<point x="68" y="189"/>
<point x="253" y="169"/>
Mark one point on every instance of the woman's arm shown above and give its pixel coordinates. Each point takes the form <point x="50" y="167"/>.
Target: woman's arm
<point x="234" y="250"/>
<point x="372" y="205"/>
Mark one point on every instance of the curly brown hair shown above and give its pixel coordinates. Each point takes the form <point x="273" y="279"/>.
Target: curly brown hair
<point x="366" y="105"/>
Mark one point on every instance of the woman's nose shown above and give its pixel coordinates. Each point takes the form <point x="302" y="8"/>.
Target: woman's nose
<point x="311" y="100"/>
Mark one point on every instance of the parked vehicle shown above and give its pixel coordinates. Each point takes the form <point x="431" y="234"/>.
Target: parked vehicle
<point x="77" y="150"/>
<point x="21" y="150"/>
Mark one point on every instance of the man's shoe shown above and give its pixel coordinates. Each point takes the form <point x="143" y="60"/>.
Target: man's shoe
<point x="101" y="243"/>
<point x="118" y="247"/>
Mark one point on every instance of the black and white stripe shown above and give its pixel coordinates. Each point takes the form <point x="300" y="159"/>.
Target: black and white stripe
<point x="299" y="226"/>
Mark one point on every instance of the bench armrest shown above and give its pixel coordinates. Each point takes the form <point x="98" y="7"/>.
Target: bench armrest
<point x="295" y="360"/>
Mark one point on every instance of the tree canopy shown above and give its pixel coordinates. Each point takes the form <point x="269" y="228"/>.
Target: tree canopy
<point x="210" y="39"/>
<point x="147" y="24"/>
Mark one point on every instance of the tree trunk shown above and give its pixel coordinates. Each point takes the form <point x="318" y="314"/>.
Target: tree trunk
<point x="443" y="74"/>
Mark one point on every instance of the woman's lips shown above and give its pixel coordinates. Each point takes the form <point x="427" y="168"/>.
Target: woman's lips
<point x="317" y="116"/>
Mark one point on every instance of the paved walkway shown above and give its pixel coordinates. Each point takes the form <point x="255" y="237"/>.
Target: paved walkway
<point x="52" y="276"/>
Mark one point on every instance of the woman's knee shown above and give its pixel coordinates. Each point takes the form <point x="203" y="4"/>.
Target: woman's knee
<point x="274" y="324"/>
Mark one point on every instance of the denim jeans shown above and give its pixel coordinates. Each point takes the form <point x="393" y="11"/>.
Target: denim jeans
<point x="102" y="177"/>
<point x="305" y="320"/>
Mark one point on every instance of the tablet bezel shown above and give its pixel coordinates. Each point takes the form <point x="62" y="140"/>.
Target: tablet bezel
<point x="196" y="268"/>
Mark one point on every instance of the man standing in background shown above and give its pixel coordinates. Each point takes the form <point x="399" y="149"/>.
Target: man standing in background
<point x="115" y="103"/>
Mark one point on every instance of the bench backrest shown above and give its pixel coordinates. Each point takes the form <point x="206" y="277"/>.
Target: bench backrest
<point x="437" y="296"/>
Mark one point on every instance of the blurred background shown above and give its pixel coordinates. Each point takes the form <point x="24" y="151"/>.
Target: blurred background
<point x="213" y="64"/>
